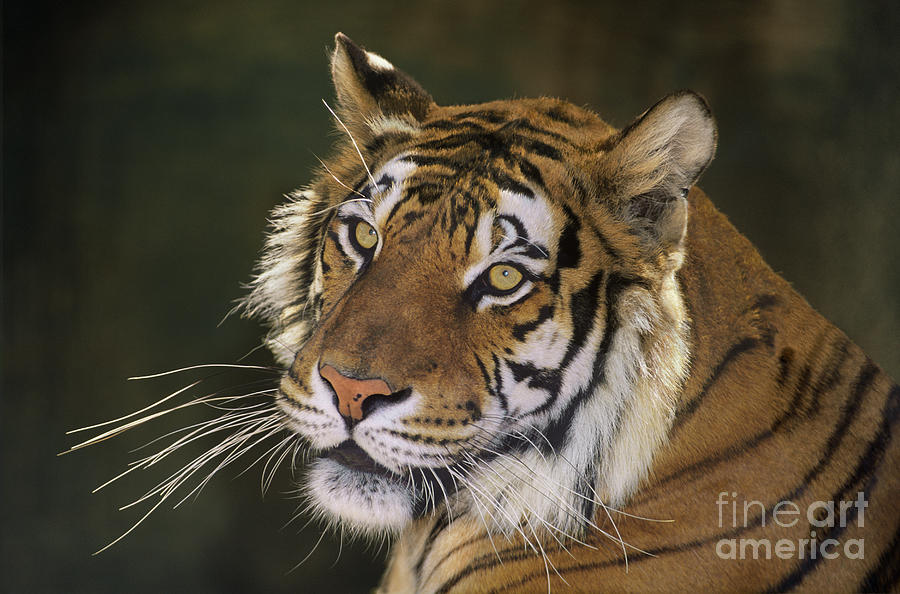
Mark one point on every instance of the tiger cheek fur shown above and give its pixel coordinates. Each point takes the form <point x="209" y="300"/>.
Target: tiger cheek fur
<point x="510" y="329"/>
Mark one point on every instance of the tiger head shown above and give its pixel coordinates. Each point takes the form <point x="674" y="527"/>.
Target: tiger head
<point x="477" y="306"/>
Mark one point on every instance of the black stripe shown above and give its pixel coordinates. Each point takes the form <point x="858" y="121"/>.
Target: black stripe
<point x="494" y="117"/>
<point x="765" y="301"/>
<point x="531" y="173"/>
<point x="743" y="346"/>
<point x="485" y="375"/>
<point x="540" y="378"/>
<point x="569" y="248"/>
<point x="518" y="225"/>
<point x="426" y="192"/>
<point x="826" y="382"/>
<point x="489" y="561"/>
<point x="453" y="125"/>
<point x="849" y="411"/>
<point x="470" y="236"/>
<point x="498" y="383"/>
<point x="604" y="243"/>
<point x="544" y="150"/>
<point x="785" y="360"/>
<point x="383" y="140"/>
<point x="439" y="160"/>
<point x="519" y="331"/>
<point x="466" y="543"/>
<point x="860" y="387"/>
<point x="523" y="124"/>
<point x="337" y="244"/>
<point x="866" y="467"/>
<point x="807" y="395"/>
<point x="557" y="431"/>
<point x="558" y="113"/>
<point x="583" y="308"/>
<point x="441" y="523"/>
<point x="885" y="576"/>
<point x="585" y="489"/>
<point x="505" y="182"/>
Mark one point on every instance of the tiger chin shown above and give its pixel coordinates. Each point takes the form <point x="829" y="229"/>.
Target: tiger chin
<point x="525" y="345"/>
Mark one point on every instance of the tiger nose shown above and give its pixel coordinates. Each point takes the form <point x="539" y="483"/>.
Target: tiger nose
<point x="351" y="393"/>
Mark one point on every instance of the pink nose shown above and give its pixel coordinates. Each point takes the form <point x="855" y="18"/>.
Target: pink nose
<point x="351" y="393"/>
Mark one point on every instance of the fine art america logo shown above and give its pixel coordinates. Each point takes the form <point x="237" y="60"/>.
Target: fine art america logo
<point x="825" y="518"/>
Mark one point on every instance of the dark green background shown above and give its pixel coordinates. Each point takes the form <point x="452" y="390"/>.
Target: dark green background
<point x="145" y="142"/>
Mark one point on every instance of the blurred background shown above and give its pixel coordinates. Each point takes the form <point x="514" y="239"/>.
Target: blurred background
<point x="145" y="143"/>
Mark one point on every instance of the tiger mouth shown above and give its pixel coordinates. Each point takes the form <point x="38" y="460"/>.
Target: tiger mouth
<point x="351" y="456"/>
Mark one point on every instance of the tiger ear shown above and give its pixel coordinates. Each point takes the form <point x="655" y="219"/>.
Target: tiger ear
<point x="369" y="87"/>
<point x="655" y="161"/>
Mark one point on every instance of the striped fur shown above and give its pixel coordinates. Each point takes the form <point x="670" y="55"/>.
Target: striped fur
<point x="647" y="362"/>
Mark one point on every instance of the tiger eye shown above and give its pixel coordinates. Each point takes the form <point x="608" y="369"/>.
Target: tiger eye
<point x="366" y="236"/>
<point x="504" y="277"/>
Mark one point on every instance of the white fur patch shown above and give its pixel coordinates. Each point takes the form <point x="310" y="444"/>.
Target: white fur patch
<point x="393" y="124"/>
<point x="316" y="419"/>
<point x="397" y="169"/>
<point x="367" y="502"/>
<point x="535" y="214"/>
<point x="377" y="62"/>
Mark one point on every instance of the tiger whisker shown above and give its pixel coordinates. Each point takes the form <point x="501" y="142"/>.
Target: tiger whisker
<point x="475" y="465"/>
<point x="133" y="527"/>
<point x="547" y="562"/>
<point x="425" y="491"/>
<point x="270" y="452"/>
<point x="195" y="425"/>
<point x="532" y="471"/>
<point x="599" y="500"/>
<point x="145" y="463"/>
<point x="336" y="178"/>
<point x="353" y="140"/>
<point x="266" y="479"/>
<point x="340" y="204"/>
<point x="618" y="538"/>
<point x="431" y="491"/>
<point x="225" y="422"/>
<point x="137" y="422"/>
<point x="308" y="555"/>
<point x="636" y="517"/>
<point x="204" y="429"/>
<point x="206" y="366"/>
<point x="557" y="500"/>
<point x="537" y="247"/>
<point x="234" y="454"/>
<point x="446" y="498"/>
<point x="340" y="547"/>
<point x="537" y="516"/>
<point x="137" y="412"/>
<point x="478" y="505"/>
<point x="446" y="465"/>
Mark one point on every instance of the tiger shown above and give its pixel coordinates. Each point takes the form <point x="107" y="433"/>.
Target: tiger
<point x="525" y="347"/>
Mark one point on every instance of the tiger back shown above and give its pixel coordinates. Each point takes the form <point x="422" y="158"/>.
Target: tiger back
<point x="524" y="346"/>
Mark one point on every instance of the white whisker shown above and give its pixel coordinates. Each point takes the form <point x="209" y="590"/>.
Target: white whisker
<point x="308" y="555"/>
<point x="337" y="180"/>
<point x="135" y="413"/>
<point x="205" y="366"/>
<point x="353" y="140"/>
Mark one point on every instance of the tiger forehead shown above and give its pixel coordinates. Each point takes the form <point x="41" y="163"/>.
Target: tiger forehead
<point x="405" y="194"/>
<point x="505" y="142"/>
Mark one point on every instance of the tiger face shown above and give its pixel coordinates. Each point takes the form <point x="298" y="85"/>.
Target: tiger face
<point x="477" y="306"/>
